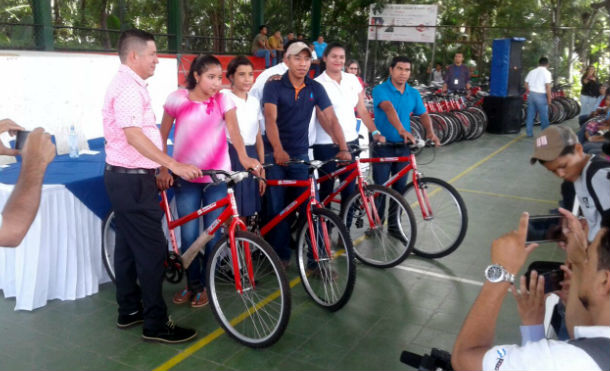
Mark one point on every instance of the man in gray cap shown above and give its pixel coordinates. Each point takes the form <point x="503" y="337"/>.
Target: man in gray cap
<point x="289" y="104"/>
<point x="557" y="149"/>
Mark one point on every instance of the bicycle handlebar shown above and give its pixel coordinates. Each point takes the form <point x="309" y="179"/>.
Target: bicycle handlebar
<point x="419" y="143"/>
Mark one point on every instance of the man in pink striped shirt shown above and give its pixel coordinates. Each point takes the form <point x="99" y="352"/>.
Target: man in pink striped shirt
<point x="133" y="154"/>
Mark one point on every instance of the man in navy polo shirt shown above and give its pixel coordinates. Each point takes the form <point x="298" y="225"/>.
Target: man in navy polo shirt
<point x="394" y="101"/>
<point x="289" y="104"/>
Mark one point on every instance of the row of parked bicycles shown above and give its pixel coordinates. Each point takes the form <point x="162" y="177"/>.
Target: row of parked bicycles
<point x="562" y="107"/>
<point x="247" y="285"/>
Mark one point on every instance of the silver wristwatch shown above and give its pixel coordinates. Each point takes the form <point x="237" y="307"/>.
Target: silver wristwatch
<point x="496" y="273"/>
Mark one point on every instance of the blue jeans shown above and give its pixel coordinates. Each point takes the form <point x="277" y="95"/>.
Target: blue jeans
<point x="276" y="198"/>
<point x="325" y="152"/>
<point x="267" y="54"/>
<point x="383" y="171"/>
<point x="536" y="102"/>
<point x="191" y="197"/>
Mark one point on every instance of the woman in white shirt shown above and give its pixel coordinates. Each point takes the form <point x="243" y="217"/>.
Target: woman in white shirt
<point x="240" y="72"/>
<point x="346" y="94"/>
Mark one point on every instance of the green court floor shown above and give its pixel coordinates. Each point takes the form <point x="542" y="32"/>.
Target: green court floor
<point x="415" y="306"/>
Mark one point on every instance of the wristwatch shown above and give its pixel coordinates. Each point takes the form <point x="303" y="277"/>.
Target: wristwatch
<point x="496" y="273"/>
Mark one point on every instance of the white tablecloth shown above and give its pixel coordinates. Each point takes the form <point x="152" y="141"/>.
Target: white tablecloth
<point x="59" y="258"/>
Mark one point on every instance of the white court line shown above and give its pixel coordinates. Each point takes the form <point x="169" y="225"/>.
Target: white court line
<point x="439" y="275"/>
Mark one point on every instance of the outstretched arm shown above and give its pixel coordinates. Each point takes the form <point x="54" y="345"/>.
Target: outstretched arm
<point x="477" y="334"/>
<point x="22" y="206"/>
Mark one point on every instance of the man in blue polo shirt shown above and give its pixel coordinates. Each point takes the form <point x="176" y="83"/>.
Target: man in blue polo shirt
<point x="289" y="104"/>
<point x="394" y="101"/>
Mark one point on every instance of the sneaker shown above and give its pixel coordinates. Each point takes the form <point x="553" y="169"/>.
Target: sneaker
<point x="200" y="299"/>
<point x="170" y="333"/>
<point x="182" y="296"/>
<point x="129" y="320"/>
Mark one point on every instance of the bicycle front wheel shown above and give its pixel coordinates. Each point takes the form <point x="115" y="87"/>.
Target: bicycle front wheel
<point x="443" y="230"/>
<point x="108" y="244"/>
<point x="383" y="228"/>
<point x="258" y="315"/>
<point x="329" y="280"/>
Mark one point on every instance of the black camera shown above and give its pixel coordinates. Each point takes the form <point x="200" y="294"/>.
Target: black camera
<point x="436" y="360"/>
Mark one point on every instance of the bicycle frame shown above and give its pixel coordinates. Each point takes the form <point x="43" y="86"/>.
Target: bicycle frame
<point x="230" y="213"/>
<point x="422" y="196"/>
<point x="356" y="173"/>
<point x="309" y="196"/>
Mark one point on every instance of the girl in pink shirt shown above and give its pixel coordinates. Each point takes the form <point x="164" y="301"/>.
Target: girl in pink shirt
<point x="200" y="112"/>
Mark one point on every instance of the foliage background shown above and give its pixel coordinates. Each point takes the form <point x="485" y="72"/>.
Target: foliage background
<point x="572" y="33"/>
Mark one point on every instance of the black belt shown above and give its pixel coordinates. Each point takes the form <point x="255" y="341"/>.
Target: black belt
<point x="125" y="170"/>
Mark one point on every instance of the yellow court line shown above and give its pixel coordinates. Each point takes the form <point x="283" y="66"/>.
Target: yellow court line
<point x="487" y="158"/>
<point x="167" y="365"/>
<point x="507" y="196"/>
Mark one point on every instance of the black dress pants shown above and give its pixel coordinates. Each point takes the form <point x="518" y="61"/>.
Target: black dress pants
<point x="141" y="247"/>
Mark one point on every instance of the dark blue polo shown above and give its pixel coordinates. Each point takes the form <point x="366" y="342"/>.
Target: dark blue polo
<point x="404" y="103"/>
<point x="294" y="115"/>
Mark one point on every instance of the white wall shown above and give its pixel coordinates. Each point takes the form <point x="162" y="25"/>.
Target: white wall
<point x="53" y="89"/>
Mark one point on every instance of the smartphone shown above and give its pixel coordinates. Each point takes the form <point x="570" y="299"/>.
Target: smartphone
<point x="545" y="228"/>
<point x="20" y="138"/>
<point x="553" y="275"/>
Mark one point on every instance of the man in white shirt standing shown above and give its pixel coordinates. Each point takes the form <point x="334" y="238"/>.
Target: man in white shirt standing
<point x="538" y="82"/>
<point x="346" y="95"/>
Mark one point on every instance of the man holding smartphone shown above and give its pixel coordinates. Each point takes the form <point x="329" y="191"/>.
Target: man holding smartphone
<point x="21" y="208"/>
<point x="589" y="291"/>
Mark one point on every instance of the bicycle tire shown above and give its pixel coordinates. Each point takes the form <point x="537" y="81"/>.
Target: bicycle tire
<point x="258" y="316"/>
<point x="379" y="246"/>
<point x="431" y="244"/>
<point x="329" y="281"/>
<point x="108" y="245"/>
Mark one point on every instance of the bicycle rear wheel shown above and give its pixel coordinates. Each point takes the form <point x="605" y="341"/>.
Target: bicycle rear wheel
<point x="108" y="244"/>
<point x="329" y="281"/>
<point x="257" y="316"/>
<point x="390" y="239"/>
<point x="441" y="232"/>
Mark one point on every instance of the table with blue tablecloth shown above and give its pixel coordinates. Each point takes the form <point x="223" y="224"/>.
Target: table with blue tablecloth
<point x="60" y="256"/>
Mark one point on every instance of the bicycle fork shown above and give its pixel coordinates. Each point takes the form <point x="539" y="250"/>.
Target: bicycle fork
<point x="368" y="201"/>
<point x="422" y="196"/>
<point x="313" y="236"/>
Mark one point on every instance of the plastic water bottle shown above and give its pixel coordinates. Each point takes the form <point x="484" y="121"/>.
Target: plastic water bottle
<point x="73" y="142"/>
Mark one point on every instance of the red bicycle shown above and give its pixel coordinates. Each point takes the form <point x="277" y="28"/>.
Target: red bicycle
<point x="443" y="219"/>
<point x="380" y="239"/>
<point x="324" y="248"/>
<point x="247" y="286"/>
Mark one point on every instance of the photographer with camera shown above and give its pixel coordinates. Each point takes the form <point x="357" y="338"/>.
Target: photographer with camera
<point x="590" y="289"/>
<point x="21" y="208"/>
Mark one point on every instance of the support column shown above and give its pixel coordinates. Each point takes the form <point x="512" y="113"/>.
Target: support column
<point x="258" y="15"/>
<point x="174" y="25"/>
<point x="43" y="29"/>
<point x="316" y="18"/>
